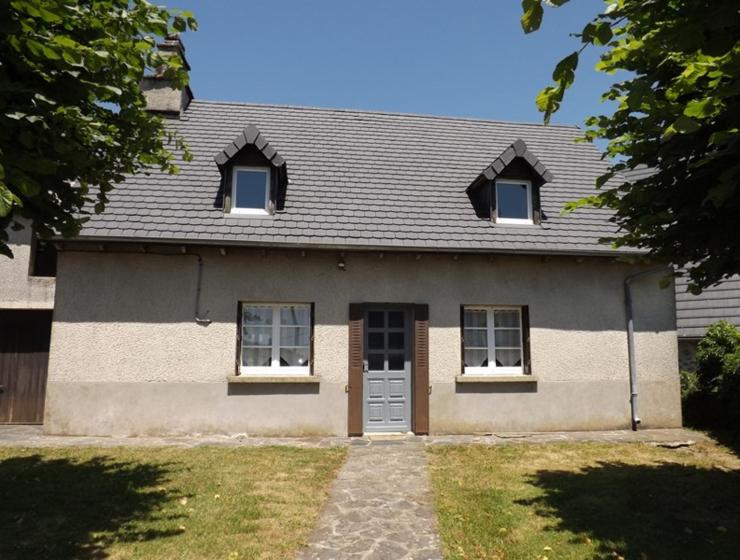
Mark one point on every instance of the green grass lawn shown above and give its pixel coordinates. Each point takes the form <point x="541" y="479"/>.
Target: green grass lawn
<point x="587" y="501"/>
<point x="155" y="503"/>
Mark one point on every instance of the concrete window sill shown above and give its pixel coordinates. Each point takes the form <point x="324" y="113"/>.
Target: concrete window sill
<point x="496" y="379"/>
<point x="273" y="379"/>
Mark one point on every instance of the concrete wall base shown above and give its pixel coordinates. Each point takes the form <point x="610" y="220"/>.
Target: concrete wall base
<point x="161" y="409"/>
<point x="171" y="409"/>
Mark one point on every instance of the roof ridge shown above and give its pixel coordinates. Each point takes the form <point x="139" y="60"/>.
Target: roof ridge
<point x="379" y="112"/>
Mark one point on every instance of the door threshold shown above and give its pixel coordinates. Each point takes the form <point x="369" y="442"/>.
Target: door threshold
<point x="386" y="435"/>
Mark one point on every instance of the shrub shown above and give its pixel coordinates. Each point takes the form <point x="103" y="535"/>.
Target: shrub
<point x="711" y="396"/>
<point x="721" y="340"/>
<point x="689" y="384"/>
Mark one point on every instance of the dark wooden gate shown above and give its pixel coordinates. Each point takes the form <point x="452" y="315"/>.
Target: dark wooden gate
<point x="24" y="358"/>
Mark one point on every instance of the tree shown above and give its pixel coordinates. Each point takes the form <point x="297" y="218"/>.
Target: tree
<point x="73" y="120"/>
<point x="678" y="114"/>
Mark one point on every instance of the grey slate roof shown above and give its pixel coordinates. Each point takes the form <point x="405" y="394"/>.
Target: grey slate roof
<point x="361" y="180"/>
<point x="695" y="313"/>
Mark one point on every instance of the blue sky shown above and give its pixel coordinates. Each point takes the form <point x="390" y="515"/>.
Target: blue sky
<point x="454" y="57"/>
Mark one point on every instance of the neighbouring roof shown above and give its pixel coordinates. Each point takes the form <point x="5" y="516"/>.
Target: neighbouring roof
<point x="361" y="180"/>
<point x="695" y="313"/>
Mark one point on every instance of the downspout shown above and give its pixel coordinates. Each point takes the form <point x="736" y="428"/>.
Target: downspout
<point x="635" y="417"/>
<point x="198" y="319"/>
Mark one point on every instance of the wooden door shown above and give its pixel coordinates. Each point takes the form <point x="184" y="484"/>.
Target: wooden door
<point x="24" y="358"/>
<point x="387" y="371"/>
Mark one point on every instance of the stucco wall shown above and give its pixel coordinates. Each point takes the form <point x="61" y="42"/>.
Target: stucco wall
<point x="127" y="356"/>
<point x="19" y="290"/>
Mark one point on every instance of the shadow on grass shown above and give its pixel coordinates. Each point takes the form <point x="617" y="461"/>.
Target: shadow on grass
<point x="57" y="508"/>
<point x="660" y="511"/>
<point x="727" y="437"/>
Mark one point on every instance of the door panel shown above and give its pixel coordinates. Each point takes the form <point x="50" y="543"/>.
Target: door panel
<point x="24" y="357"/>
<point x="387" y="371"/>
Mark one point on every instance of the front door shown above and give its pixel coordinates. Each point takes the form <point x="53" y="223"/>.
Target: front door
<point x="387" y="370"/>
<point x="24" y="357"/>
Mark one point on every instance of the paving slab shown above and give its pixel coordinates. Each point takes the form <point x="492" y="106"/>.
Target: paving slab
<point x="380" y="507"/>
<point x="34" y="436"/>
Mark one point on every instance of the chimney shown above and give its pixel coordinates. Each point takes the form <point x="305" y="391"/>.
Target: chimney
<point x="161" y="96"/>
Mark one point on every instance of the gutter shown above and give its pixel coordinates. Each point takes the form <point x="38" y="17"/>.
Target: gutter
<point x="634" y="415"/>
<point x="68" y="244"/>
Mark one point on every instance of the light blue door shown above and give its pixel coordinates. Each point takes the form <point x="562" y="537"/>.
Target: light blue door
<point x="387" y="371"/>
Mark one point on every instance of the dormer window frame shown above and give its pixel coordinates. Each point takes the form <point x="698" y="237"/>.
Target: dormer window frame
<point x="235" y="209"/>
<point x="529" y="220"/>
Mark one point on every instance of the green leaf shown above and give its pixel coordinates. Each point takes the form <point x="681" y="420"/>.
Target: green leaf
<point x="532" y="15"/>
<point x="685" y="125"/>
<point x="7" y="200"/>
<point x="598" y="33"/>
<point x="564" y="72"/>
<point x="700" y="108"/>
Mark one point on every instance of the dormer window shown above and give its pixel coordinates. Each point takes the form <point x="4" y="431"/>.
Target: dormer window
<point x="254" y="176"/>
<point x="513" y="201"/>
<point x="250" y="190"/>
<point x="508" y="190"/>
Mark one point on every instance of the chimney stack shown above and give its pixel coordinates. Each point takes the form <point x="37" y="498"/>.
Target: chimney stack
<point x="161" y="96"/>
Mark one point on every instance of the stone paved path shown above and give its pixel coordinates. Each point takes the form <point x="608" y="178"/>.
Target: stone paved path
<point x="33" y="436"/>
<point x="380" y="507"/>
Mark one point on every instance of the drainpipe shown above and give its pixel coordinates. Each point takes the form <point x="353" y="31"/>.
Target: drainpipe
<point x="635" y="417"/>
<point x="198" y="319"/>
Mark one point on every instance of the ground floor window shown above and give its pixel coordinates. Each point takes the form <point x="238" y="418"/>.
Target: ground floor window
<point x="275" y="339"/>
<point x="493" y="341"/>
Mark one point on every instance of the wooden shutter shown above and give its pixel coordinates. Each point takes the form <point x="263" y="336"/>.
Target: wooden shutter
<point x="354" y="377"/>
<point x="525" y="341"/>
<point x="536" y="205"/>
<point x="311" y="341"/>
<point x="462" y="339"/>
<point x="492" y="190"/>
<point x="238" y="338"/>
<point x="420" y="413"/>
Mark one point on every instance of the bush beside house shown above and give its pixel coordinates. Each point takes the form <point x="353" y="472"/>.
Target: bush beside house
<point x="711" y="394"/>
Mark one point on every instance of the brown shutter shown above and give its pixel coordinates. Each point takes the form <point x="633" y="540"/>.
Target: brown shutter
<point x="420" y="418"/>
<point x="311" y="344"/>
<point x="238" y="337"/>
<point x="226" y="174"/>
<point x="525" y="340"/>
<point x="462" y="339"/>
<point x="354" y="377"/>
<point x="536" y="205"/>
<point x="492" y="189"/>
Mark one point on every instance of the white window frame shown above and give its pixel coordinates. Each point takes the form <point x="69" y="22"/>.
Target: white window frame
<point x="492" y="368"/>
<point x="529" y="219"/>
<point x="275" y="368"/>
<point x="255" y="211"/>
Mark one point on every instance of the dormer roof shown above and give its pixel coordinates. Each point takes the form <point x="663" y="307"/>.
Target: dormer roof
<point x="250" y="136"/>
<point x="516" y="150"/>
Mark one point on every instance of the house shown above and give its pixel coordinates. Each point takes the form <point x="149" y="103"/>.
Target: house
<point x="317" y="271"/>
<point x="694" y="314"/>
<point x="26" y="305"/>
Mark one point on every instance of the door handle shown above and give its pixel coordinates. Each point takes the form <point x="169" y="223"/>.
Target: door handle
<point x="2" y="389"/>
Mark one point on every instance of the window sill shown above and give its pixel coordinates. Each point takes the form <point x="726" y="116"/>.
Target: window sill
<point x="273" y="379"/>
<point x="496" y="379"/>
<point x="246" y="216"/>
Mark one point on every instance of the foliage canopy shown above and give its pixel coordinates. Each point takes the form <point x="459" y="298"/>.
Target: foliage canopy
<point x="678" y="114"/>
<point x="72" y="115"/>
